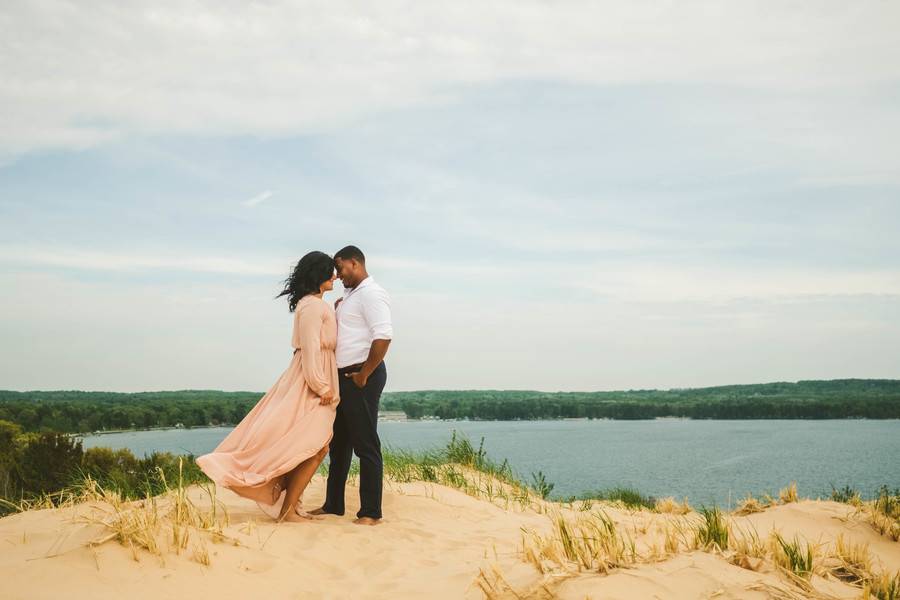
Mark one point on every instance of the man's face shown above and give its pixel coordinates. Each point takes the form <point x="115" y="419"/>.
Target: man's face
<point x="346" y="271"/>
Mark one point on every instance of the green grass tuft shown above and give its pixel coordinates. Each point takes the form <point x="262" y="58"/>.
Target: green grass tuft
<point x="630" y="497"/>
<point x="540" y="484"/>
<point x="713" y="531"/>
<point x="797" y="557"/>
<point x="847" y="494"/>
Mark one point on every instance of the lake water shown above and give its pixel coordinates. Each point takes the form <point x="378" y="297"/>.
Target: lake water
<point x="707" y="461"/>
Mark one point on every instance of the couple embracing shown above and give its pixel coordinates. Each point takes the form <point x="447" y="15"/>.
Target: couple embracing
<point x="324" y="403"/>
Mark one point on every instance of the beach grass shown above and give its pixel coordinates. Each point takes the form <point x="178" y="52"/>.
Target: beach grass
<point x="463" y="466"/>
<point x="795" y="556"/>
<point x="886" y="512"/>
<point x="749" y="549"/>
<point x="540" y="485"/>
<point x="882" y="512"/>
<point x="589" y="542"/>
<point x="788" y="494"/>
<point x="677" y="534"/>
<point x="669" y="505"/>
<point x="158" y="518"/>
<point x="627" y="496"/>
<point x="847" y="495"/>
<point x="850" y="562"/>
<point x="886" y="586"/>
<point x="713" y="531"/>
<point x="162" y="523"/>
<point x="749" y="505"/>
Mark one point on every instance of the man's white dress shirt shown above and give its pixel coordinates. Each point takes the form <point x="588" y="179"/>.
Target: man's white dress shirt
<point x="363" y="315"/>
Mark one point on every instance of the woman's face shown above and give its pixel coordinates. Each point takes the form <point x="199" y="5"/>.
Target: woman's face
<point x="329" y="285"/>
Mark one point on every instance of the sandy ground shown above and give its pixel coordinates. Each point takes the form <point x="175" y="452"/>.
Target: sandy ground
<point x="433" y="542"/>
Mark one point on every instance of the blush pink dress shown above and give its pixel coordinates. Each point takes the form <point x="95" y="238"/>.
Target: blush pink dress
<point x="288" y="425"/>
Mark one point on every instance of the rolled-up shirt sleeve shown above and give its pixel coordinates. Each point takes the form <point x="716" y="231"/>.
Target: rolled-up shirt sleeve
<point x="376" y="309"/>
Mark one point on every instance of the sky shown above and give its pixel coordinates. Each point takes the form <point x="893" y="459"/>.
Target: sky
<point x="556" y="195"/>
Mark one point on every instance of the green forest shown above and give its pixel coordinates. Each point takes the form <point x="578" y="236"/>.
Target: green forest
<point x="82" y="412"/>
<point x="835" y="399"/>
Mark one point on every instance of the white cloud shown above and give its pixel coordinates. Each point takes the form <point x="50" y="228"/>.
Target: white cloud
<point x="75" y="258"/>
<point x="80" y="73"/>
<point x="257" y="199"/>
<point x="662" y="283"/>
<point x="632" y="280"/>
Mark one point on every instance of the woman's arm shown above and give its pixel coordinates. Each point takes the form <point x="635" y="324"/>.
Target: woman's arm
<point x="309" y="327"/>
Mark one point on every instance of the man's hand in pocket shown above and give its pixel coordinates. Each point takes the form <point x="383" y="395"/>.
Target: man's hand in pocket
<point x="358" y="378"/>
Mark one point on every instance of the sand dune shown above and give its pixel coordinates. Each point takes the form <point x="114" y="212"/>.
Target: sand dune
<point x="434" y="542"/>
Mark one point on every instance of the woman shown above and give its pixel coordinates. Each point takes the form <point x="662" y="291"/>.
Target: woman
<point x="272" y="454"/>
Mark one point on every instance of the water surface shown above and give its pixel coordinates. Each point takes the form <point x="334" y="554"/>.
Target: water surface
<point x="707" y="461"/>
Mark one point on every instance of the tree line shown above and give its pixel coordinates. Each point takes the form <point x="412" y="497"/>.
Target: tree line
<point x="835" y="399"/>
<point x="81" y="412"/>
<point x="84" y="412"/>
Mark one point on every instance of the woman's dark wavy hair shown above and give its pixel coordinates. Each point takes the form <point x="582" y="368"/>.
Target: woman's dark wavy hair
<point x="308" y="274"/>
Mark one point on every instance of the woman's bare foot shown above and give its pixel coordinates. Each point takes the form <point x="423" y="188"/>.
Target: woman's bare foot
<point x="302" y="513"/>
<point x="292" y="517"/>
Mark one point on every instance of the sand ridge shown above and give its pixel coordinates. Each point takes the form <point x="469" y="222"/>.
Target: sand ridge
<point x="434" y="542"/>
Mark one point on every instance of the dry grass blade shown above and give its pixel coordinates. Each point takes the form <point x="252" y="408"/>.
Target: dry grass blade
<point x="670" y="505"/>
<point x="883" y="513"/>
<point x="849" y="562"/>
<point x="778" y="592"/>
<point x="749" y="505"/>
<point x="157" y="523"/>
<point x="884" y="587"/>
<point x="676" y="535"/>
<point x="749" y="551"/>
<point x="494" y="585"/>
<point x="788" y="494"/>
<point x="587" y="543"/>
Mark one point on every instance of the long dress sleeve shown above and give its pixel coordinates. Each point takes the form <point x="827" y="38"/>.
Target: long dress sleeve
<point x="309" y="327"/>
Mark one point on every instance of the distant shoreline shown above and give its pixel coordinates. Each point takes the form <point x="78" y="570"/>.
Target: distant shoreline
<point x="388" y="416"/>
<point x="402" y="418"/>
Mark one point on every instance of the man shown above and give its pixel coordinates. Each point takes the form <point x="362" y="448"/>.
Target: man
<point x="364" y="334"/>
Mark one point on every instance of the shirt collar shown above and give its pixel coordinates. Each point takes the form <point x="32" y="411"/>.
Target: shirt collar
<point x="360" y="285"/>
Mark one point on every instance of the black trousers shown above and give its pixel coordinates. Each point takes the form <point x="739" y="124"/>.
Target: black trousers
<point x="355" y="430"/>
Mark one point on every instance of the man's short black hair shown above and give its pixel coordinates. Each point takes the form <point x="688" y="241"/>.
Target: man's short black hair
<point x="350" y="252"/>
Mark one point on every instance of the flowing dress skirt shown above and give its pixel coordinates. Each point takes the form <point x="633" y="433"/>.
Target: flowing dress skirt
<point x="286" y="427"/>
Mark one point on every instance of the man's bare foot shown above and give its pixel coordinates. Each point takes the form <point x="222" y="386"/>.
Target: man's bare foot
<point x="319" y="511"/>
<point x="367" y="521"/>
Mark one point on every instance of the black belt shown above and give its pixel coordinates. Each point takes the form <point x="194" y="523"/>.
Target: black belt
<point x="351" y="369"/>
